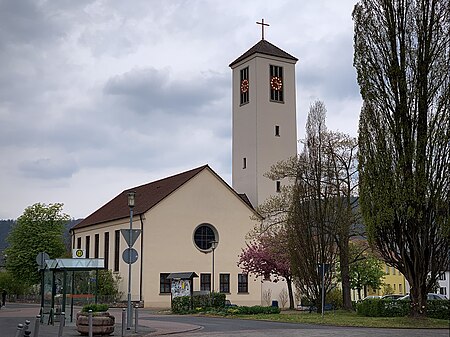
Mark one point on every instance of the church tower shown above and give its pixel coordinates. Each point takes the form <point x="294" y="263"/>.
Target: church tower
<point x="264" y="118"/>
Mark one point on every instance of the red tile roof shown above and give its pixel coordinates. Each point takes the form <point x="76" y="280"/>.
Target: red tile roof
<point x="147" y="196"/>
<point x="264" y="47"/>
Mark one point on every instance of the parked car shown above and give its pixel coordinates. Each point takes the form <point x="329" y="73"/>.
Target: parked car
<point x="371" y="297"/>
<point x="431" y="296"/>
<point x="391" y="297"/>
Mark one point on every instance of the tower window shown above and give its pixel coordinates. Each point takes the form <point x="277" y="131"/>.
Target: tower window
<point x="276" y="84"/>
<point x="278" y="186"/>
<point x="244" y="163"/>
<point x="244" y="86"/>
<point x="277" y="130"/>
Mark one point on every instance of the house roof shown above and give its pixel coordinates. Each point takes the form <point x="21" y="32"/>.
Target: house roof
<point x="264" y="47"/>
<point x="147" y="195"/>
<point x="182" y="275"/>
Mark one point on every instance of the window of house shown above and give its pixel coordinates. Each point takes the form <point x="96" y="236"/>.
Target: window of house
<point x="79" y="243"/>
<point x="204" y="235"/>
<point x="244" y="86"/>
<point x="387" y="270"/>
<point x="442" y="277"/>
<point x="244" y="163"/>
<point x="395" y="287"/>
<point x="278" y="186"/>
<point x="393" y="271"/>
<point x="106" y="250"/>
<point x="116" y="250"/>
<point x="276" y="83"/>
<point x="96" y="245"/>
<point x="277" y="130"/>
<point x="205" y="282"/>
<point x="400" y="288"/>
<point x="443" y="291"/>
<point x="88" y="244"/>
<point x="224" y="283"/>
<point x="242" y="283"/>
<point x="164" y="283"/>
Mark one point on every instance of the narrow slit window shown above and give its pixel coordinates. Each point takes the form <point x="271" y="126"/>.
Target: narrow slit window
<point x="106" y="250"/>
<point x="244" y="163"/>
<point x="88" y="246"/>
<point x="96" y="245"/>
<point x="277" y="130"/>
<point x="116" y="250"/>
<point x="278" y="186"/>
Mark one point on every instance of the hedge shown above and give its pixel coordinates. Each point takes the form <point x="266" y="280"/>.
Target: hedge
<point x="398" y="308"/>
<point x="184" y="304"/>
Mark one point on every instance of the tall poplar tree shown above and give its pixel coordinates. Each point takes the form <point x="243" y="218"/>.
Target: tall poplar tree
<point x="402" y="58"/>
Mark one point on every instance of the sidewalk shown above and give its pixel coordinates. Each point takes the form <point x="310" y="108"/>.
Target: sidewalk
<point x="15" y="313"/>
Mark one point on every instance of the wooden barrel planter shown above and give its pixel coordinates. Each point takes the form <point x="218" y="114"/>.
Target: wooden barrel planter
<point x="102" y="323"/>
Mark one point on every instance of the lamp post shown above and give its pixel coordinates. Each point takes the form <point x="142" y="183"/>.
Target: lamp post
<point x="131" y="196"/>
<point x="213" y="248"/>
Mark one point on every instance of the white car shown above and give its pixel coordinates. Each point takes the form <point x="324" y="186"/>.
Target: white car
<point x="430" y="296"/>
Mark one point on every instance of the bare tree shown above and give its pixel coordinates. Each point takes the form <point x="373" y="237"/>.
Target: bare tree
<point x="402" y="58"/>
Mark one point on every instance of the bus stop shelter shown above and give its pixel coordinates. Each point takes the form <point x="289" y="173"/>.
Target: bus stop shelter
<point x="68" y="282"/>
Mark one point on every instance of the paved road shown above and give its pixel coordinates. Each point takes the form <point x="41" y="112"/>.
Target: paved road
<point x="224" y="327"/>
<point x="196" y="326"/>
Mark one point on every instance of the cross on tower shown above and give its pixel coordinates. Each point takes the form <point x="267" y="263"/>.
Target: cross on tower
<point x="262" y="27"/>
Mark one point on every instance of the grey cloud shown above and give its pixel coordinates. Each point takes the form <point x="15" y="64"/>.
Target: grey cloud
<point x="151" y="90"/>
<point x="48" y="168"/>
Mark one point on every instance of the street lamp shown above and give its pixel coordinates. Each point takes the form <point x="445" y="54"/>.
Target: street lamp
<point x="131" y="196"/>
<point x="213" y="248"/>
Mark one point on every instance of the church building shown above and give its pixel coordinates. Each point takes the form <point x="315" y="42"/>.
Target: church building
<point x="194" y="221"/>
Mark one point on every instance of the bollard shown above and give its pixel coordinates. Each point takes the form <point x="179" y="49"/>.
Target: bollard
<point x="124" y="318"/>
<point x="90" y="324"/>
<point x="37" y="324"/>
<point x="26" y="326"/>
<point x="62" y="323"/>
<point x="136" y="319"/>
<point x="27" y="333"/>
<point x="19" y="329"/>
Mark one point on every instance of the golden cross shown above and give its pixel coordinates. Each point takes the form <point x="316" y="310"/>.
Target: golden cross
<point x="262" y="27"/>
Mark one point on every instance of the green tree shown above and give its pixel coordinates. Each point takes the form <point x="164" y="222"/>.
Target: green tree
<point x="402" y="58"/>
<point x="39" y="229"/>
<point x="366" y="272"/>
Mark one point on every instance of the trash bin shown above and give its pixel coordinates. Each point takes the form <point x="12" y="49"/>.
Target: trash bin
<point x="275" y="303"/>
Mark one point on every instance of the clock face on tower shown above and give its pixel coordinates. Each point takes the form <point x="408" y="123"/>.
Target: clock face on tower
<point x="276" y="83"/>
<point x="244" y="86"/>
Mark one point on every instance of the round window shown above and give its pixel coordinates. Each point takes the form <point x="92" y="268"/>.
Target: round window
<point x="204" y="235"/>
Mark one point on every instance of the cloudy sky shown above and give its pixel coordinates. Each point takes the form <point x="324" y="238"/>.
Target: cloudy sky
<point x="100" y="96"/>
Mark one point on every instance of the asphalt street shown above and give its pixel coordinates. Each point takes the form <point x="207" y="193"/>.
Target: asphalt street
<point x="152" y="324"/>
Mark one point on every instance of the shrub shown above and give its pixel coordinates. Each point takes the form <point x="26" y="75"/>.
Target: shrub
<point x="95" y="307"/>
<point x="394" y="308"/>
<point x="439" y="309"/>
<point x="334" y="297"/>
<point x="181" y="304"/>
<point x="257" y="309"/>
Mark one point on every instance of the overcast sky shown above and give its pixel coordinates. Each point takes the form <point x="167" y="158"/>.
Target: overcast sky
<point x="100" y="96"/>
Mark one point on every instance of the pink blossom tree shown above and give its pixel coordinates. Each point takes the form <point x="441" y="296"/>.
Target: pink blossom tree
<point x="267" y="256"/>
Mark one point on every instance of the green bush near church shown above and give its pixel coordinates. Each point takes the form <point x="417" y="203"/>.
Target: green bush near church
<point x="397" y="308"/>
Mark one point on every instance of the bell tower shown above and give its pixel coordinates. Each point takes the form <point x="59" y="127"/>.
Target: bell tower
<point x="264" y="117"/>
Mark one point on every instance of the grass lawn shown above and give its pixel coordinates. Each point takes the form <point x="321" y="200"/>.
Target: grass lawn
<point x="344" y="318"/>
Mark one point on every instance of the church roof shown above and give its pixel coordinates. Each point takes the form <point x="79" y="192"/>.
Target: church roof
<point x="264" y="47"/>
<point x="147" y="196"/>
